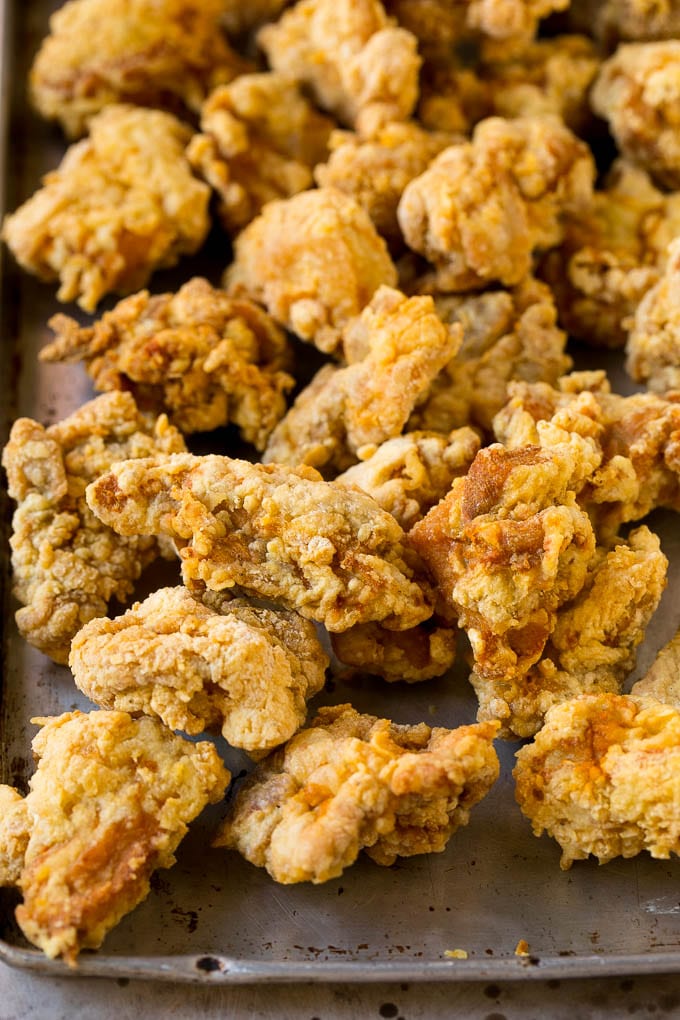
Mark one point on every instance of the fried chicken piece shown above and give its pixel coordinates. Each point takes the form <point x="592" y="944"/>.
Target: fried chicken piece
<point x="592" y="647"/>
<point x="438" y="25"/>
<point x="198" y="355"/>
<point x="228" y="666"/>
<point x="602" y="778"/>
<point x="240" y="18"/>
<point x="653" y="347"/>
<point x="353" y="782"/>
<point x="351" y="57"/>
<point x="396" y="348"/>
<point x="167" y="53"/>
<point x="122" y="203"/>
<point x="420" y="653"/>
<point x="641" y="20"/>
<point x="109" y="803"/>
<point x="662" y="679"/>
<point x="66" y="564"/>
<point x="483" y="207"/>
<point x="278" y="533"/>
<point x="261" y="138"/>
<point x="637" y="92"/>
<point x="14" y="833"/>
<point x="314" y="261"/>
<point x="453" y="97"/>
<point x="509" y="25"/>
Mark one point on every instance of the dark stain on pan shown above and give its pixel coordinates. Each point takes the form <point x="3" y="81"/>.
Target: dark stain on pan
<point x="186" y="917"/>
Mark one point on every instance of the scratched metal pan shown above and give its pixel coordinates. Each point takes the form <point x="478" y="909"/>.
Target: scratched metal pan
<point x="214" y="918"/>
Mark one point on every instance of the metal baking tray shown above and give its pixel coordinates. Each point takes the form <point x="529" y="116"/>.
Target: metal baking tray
<point x="215" y="918"/>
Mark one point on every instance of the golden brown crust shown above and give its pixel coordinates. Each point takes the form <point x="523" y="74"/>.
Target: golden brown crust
<point x="662" y="679"/>
<point x="408" y="656"/>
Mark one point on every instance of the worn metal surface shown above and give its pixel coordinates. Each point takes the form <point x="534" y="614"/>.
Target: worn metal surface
<point x="214" y="918"/>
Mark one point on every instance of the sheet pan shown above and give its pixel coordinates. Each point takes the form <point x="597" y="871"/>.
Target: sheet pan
<point x="213" y="917"/>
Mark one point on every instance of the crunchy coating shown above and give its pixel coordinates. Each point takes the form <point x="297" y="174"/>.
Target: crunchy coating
<point x="278" y="533"/>
<point x="602" y="778"/>
<point x="408" y="656"/>
<point x="109" y="803"/>
<point x="635" y="19"/>
<point x="200" y="356"/>
<point x="452" y="97"/>
<point x="350" y="56"/>
<point x="653" y="346"/>
<point x="66" y="564"/>
<point x="662" y="679"/>
<point x="353" y="782"/>
<point x="261" y="138"/>
<point x="122" y="203"/>
<point x="246" y="671"/>
<point x="314" y="261"/>
<point x="482" y="207"/>
<point x="395" y="348"/>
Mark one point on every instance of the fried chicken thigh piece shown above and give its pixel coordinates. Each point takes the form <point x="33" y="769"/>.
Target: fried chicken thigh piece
<point x="277" y="533"/>
<point x="653" y="346"/>
<point x="66" y="564"/>
<point x="122" y="203"/>
<point x="314" y="261"/>
<point x="196" y="665"/>
<point x="352" y="782"/>
<point x="198" y="355"/>
<point x="109" y="803"/>
<point x="482" y="208"/>
<point x="405" y="656"/>
<point x="261" y="138"/>
<point x="602" y="778"/>
<point x="351" y="57"/>
<point x="395" y="348"/>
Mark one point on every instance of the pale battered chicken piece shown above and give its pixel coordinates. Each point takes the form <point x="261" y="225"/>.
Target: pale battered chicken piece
<point x="14" y="832"/>
<point x="225" y="665"/>
<point x="66" y="564"/>
<point x="203" y="358"/>
<point x="351" y="57"/>
<point x="122" y="203"/>
<point x="109" y="803"/>
<point x="653" y="347"/>
<point x="507" y="335"/>
<point x="167" y="53"/>
<point x="396" y="347"/>
<point x="261" y="139"/>
<point x="352" y="782"/>
<point x="603" y="777"/>
<point x="508" y="25"/>
<point x="592" y="646"/>
<point x="277" y="533"/>
<point x="637" y="92"/>
<point x="409" y="474"/>
<point x="662" y="679"/>
<point x="482" y="208"/>
<point x="405" y="656"/>
<point x="239" y="17"/>
<point x="376" y="170"/>
<point x="314" y="261"/>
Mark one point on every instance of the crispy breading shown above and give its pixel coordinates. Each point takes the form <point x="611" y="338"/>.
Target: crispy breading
<point x="239" y="17"/>
<point x="637" y="92"/>
<point x="510" y="24"/>
<point x="227" y="665"/>
<point x="352" y="782"/>
<point x="15" y="825"/>
<point x="198" y="355"/>
<point x="482" y="208"/>
<point x="453" y="97"/>
<point x="634" y="19"/>
<point x="662" y="679"/>
<point x="276" y="532"/>
<point x="261" y="138"/>
<point x="355" y="62"/>
<point x="395" y="348"/>
<point x="314" y="261"/>
<point x="122" y="203"/>
<point x="167" y="53"/>
<point x="66" y="564"/>
<point x="653" y="346"/>
<point x="408" y="656"/>
<point x="602" y="778"/>
<point x="108" y="804"/>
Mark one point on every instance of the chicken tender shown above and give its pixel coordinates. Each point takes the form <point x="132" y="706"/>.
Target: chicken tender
<point x="653" y="347"/>
<point x="109" y="803"/>
<point x="261" y="138"/>
<point x="66" y="564"/>
<point x="314" y="261"/>
<point x="353" y="782"/>
<point x="201" y="357"/>
<point x="167" y="53"/>
<point x="602" y="778"/>
<point x="482" y="208"/>
<point x="278" y="533"/>
<point x="662" y="679"/>
<point x="246" y="671"/>
<point x="396" y="348"/>
<point x="408" y="656"/>
<point x="122" y="203"/>
<point x="351" y="57"/>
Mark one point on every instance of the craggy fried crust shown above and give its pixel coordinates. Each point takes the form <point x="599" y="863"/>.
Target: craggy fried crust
<point x="234" y="667"/>
<point x="198" y="355"/>
<point x="662" y="679"/>
<point x="353" y="782"/>
<point x="279" y="533"/>
<point x="408" y="656"/>
<point x="653" y="347"/>
<point x="66" y="563"/>
<point x="108" y="804"/>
